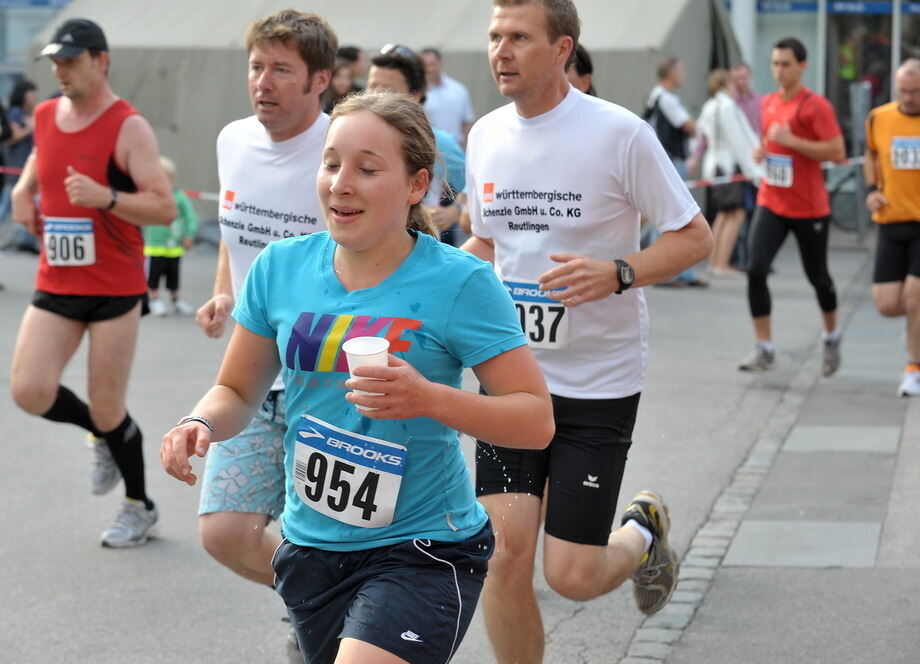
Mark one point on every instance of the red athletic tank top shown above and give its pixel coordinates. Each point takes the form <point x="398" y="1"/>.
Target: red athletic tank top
<point x="84" y="251"/>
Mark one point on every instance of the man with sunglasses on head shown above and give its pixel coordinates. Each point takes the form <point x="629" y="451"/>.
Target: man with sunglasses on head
<point x="398" y="69"/>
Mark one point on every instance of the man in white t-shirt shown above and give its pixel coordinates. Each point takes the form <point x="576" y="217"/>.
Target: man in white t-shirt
<point x="557" y="182"/>
<point x="267" y="165"/>
<point x="447" y="101"/>
<point x="668" y="115"/>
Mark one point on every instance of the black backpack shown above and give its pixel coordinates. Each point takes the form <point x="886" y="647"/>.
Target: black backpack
<point x="671" y="137"/>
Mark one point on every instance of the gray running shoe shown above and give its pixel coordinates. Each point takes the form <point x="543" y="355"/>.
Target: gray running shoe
<point x="132" y="527"/>
<point x="655" y="579"/>
<point x="759" y="360"/>
<point x="105" y="474"/>
<point x="830" y="360"/>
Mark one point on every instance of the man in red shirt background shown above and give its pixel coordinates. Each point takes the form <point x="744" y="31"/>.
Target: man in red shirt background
<point x="96" y="169"/>
<point x="800" y="131"/>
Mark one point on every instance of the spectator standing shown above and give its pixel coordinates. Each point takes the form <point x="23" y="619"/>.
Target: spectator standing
<point x="730" y="146"/>
<point x="340" y="86"/>
<point x="164" y="247"/>
<point x="447" y="101"/>
<point x="673" y="125"/>
<point x="355" y="57"/>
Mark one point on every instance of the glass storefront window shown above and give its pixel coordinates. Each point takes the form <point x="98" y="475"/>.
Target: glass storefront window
<point x="858" y="52"/>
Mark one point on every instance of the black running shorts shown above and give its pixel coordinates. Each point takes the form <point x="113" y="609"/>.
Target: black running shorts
<point x="88" y="308"/>
<point x="414" y="599"/>
<point x="897" y="253"/>
<point x="582" y="467"/>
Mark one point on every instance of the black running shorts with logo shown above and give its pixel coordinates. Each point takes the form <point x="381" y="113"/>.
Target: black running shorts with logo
<point x="414" y="599"/>
<point x="897" y="253"/>
<point x="582" y="468"/>
<point x="89" y="308"/>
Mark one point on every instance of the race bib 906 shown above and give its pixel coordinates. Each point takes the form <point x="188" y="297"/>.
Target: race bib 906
<point x="69" y="242"/>
<point x="779" y="170"/>
<point x="351" y="478"/>
<point x="545" y="321"/>
<point x="905" y="152"/>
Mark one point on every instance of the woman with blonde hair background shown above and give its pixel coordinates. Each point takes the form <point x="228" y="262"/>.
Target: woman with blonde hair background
<point x="730" y="144"/>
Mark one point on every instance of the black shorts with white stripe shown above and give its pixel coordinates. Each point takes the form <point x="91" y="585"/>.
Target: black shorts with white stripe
<point x="414" y="599"/>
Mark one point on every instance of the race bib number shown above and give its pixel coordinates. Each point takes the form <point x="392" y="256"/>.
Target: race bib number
<point x="545" y="322"/>
<point x="351" y="478"/>
<point x="905" y="152"/>
<point x="69" y="242"/>
<point x="779" y="170"/>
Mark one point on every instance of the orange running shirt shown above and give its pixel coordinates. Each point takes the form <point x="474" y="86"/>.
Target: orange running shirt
<point x="894" y="137"/>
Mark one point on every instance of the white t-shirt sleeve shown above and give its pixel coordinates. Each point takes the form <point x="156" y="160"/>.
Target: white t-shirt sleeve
<point x="652" y="184"/>
<point x="673" y="110"/>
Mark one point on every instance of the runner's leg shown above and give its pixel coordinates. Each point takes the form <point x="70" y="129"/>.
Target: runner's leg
<point x="44" y="346"/>
<point x="242" y="490"/>
<point x="765" y="239"/>
<point x="512" y="614"/>
<point x="812" y="238"/>
<point x="240" y="542"/>
<point x="582" y="571"/>
<point x="111" y="353"/>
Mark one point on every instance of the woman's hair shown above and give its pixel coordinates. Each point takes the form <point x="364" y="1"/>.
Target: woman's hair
<point x="717" y="80"/>
<point x="418" y="146"/>
<point x="339" y="66"/>
<point x="583" y="66"/>
<point x="18" y="95"/>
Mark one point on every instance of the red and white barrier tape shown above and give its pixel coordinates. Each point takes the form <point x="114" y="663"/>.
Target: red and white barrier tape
<point x="725" y="179"/>
<point x="691" y="184"/>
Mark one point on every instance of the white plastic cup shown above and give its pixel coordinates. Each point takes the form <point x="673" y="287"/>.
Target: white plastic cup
<point x="366" y="352"/>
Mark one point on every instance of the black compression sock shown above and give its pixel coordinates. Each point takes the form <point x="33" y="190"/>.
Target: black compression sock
<point x="68" y="407"/>
<point x="125" y="442"/>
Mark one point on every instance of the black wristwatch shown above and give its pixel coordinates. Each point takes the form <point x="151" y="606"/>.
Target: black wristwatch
<point x="626" y="274"/>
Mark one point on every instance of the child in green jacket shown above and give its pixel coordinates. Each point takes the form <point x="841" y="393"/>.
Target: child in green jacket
<point x="165" y="245"/>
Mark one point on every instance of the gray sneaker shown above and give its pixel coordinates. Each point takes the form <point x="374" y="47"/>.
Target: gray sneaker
<point x="759" y="360"/>
<point x="830" y="360"/>
<point x="105" y="474"/>
<point x="655" y="579"/>
<point x="132" y="527"/>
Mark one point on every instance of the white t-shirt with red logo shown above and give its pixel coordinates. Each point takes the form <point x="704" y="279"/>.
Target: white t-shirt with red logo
<point x="576" y="179"/>
<point x="267" y="189"/>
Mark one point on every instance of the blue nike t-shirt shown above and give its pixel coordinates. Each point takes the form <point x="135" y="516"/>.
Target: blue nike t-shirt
<point x="352" y="482"/>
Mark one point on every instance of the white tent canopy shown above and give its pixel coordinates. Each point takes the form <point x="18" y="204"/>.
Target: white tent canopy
<point x="183" y="64"/>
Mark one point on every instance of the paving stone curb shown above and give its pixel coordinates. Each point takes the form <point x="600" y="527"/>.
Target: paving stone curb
<point x="656" y="637"/>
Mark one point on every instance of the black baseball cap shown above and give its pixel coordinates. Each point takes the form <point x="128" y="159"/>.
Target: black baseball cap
<point x="73" y="37"/>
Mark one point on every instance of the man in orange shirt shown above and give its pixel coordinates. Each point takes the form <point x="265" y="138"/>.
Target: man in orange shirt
<point x="892" y="171"/>
<point x="800" y="131"/>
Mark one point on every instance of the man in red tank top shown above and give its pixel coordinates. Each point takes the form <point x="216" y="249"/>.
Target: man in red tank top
<point x="800" y="131"/>
<point x="95" y="168"/>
